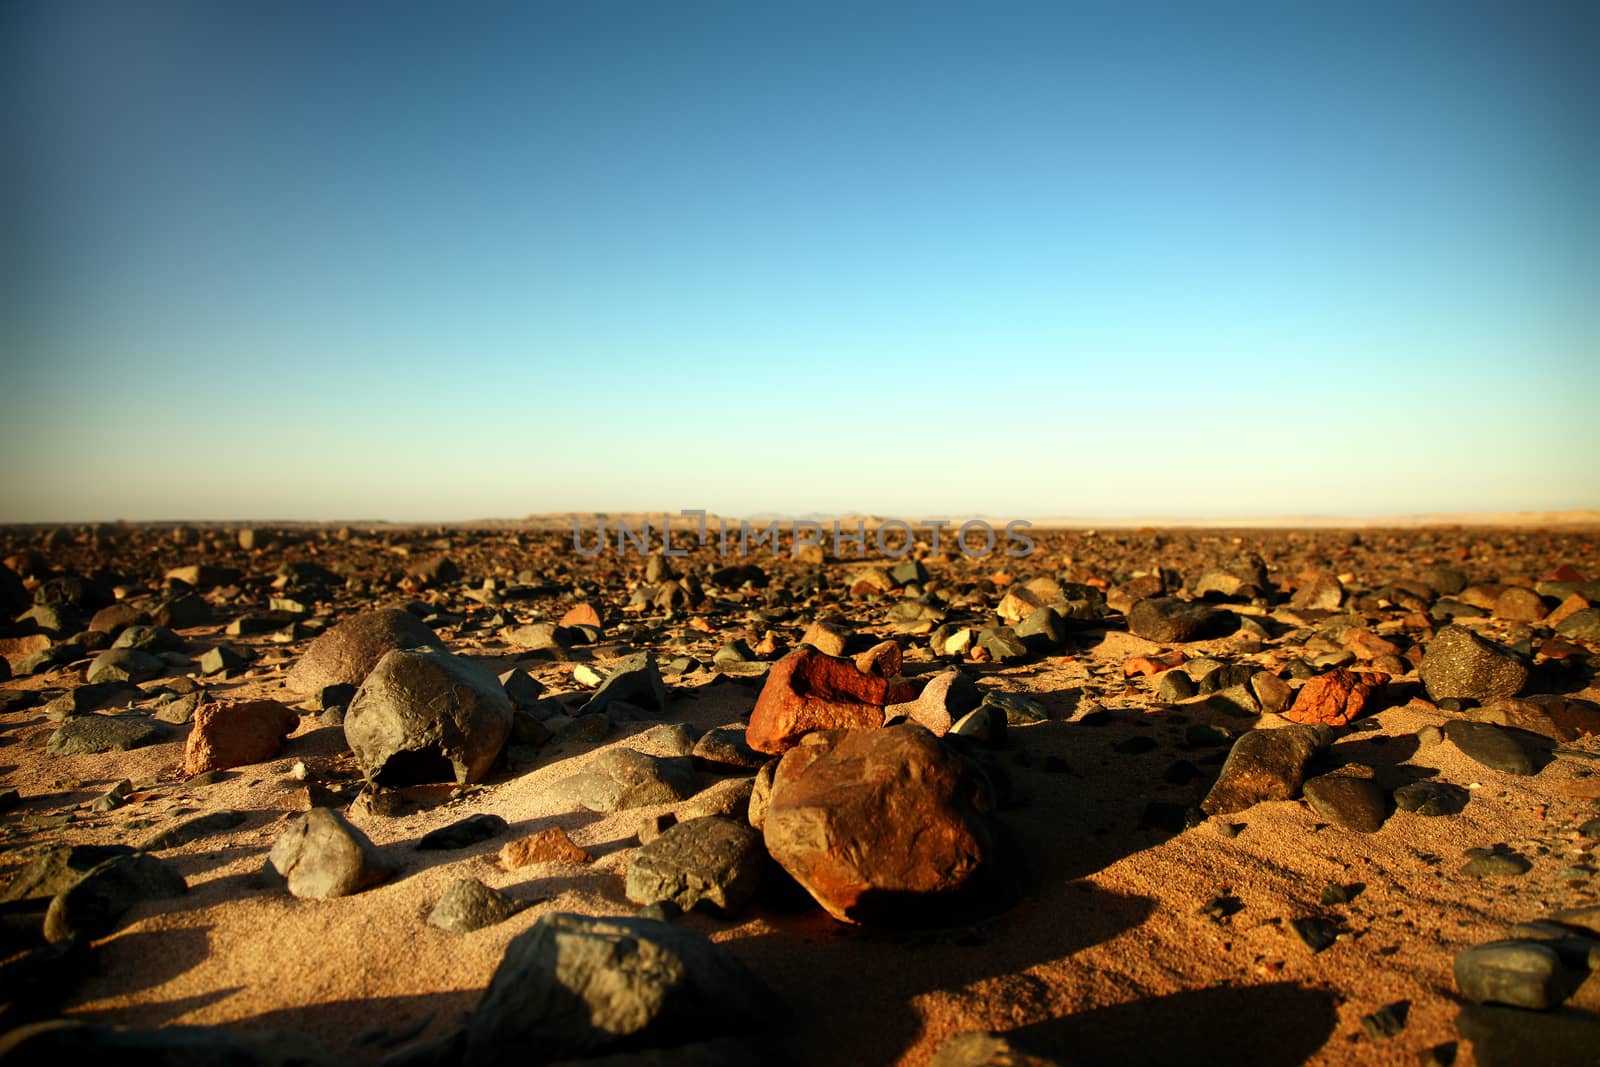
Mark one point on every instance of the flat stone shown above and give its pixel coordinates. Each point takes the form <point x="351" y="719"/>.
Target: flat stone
<point x="1351" y="803"/>
<point x="57" y="870"/>
<point x="125" y="665"/>
<point x="1338" y="697"/>
<point x="91" y="907"/>
<point x="551" y="845"/>
<point x="1563" y="719"/>
<point x="808" y="691"/>
<point x="623" y="778"/>
<point x="463" y="833"/>
<point x="1169" y="619"/>
<point x="713" y="861"/>
<point x="1496" y="747"/>
<point x="1495" y="862"/>
<point x="634" y="680"/>
<point x="89" y="734"/>
<point x="948" y="697"/>
<point x="1431" y="798"/>
<point x="193" y="829"/>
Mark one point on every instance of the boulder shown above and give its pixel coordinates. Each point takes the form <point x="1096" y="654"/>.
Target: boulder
<point x="348" y="652"/>
<point x="236" y="733"/>
<point x="809" y="690"/>
<point x="426" y="716"/>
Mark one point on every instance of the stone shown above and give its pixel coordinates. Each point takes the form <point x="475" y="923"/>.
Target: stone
<point x="584" y="613"/>
<point x="152" y="639"/>
<point x="635" y="680"/>
<point x="807" y="691"/>
<point x="235" y="734"/>
<point x="347" y="652"/>
<point x="980" y="1049"/>
<point x="1176" y="686"/>
<point x="463" y="833"/>
<point x="724" y="749"/>
<point x="56" y="871"/>
<point x="1512" y="1037"/>
<point x="1350" y="803"/>
<point x="1496" y="861"/>
<point x="1018" y="709"/>
<point x="1169" y="619"/>
<point x="470" y="905"/>
<point x="521" y="688"/>
<point x="1522" y="974"/>
<point x="577" y="986"/>
<point x="1431" y="798"/>
<point x="427" y="716"/>
<point x="322" y="856"/>
<point x="89" y="734"/>
<point x="1263" y="765"/>
<point x="193" y="829"/>
<point x="1000" y="644"/>
<point x="729" y="797"/>
<point x="91" y="907"/>
<point x="829" y="636"/>
<point x="882" y="660"/>
<point x="1496" y="747"/>
<point x="1458" y="663"/>
<point x="877" y="825"/>
<point x="1581" y="625"/>
<point x="944" y="701"/>
<point x="222" y="659"/>
<point x="125" y="665"/>
<point x="1563" y="719"/>
<point x="1338" y="697"/>
<point x="1519" y="604"/>
<point x="622" y="778"/>
<point x="1324" y="592"/>
<point x="714" y="861"/>
<point x="92" y="696"/>
<point x="547" y="846"/>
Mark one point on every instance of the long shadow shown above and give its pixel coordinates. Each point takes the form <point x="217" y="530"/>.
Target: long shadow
<point x="142" y="959"/>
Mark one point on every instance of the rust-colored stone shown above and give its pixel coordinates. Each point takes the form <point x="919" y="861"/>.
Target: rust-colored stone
<point x="546" y="846"/>
<point x="1336" y="698"/>
<point x="582" y="614"/>
<point x="235" y="733"/>
<point x="1146" y="666"/>
<point x="875" y="824"/>
<point x="808" y="690"/>
<point x="883" y="659"/>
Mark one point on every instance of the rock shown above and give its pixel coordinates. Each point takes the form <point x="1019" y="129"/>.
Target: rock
<point x="91" y="907"/>
<point x="152" y="639"/>
<point x="828" y="636"/>
<point x="985" y="725"/>
<point x="236" y="734"/>
<point x="426" y="715"/>
<point x="69" y="1041"/>
<point x="1519" y="604"/>
<point x="1000" y="644"/>
<point x="1169" y="619"/>
<point x="1018" y="709"/>
<point x="1352" y="803"/>
<point x="1496" y="747"/>
<point x="193" y="829"/>
<point x="547" y="846"/>
<point x="93" y="696"/>
<point x="1523" y="974"/>
<point x="58" y="870"/>
<point x="470" y="905"/>
<point x="712" y="860"/>
<point x="323" y="856"/>
<point x="876" y="824"/>
<point x="1497" y="861"/>
<point x="463" y="833"/>
<point x="222" y="659"/>
<point x="1511" y="1037"/>
<point x="945" y="700"/>
<point x="125" y="665"/>
<point x="724" y="749"/>
<point x="1263" y="765"/>
<point x="623" y="778"/>
<point x="1271" y="692"/>
<point x="88" y="734"/>
<point x="761" y="795"/>
<point x="348" y="652"/>
<point x="1458" y="663"/>
<point x="1563" y="719"/>
<point x="521" y="688"/>
<point x="807" y="691"/>
<point x="1581" y="625"/>
<point x="1323" y="592"/>
<point x="1176" y="686"/>
<point x="1431" y="798"/>
<point x="634" y="680"/>
<point x="979" y="1049"/>
<point x="882" y="660"/>
<point x="573" y="985"/>
<point x="1338" y="697"/>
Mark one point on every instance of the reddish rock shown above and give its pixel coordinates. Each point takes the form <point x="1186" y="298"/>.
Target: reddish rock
<point x="546" y="846"/>
<point x="1519" y="604"/>
<point x="1564" y="573"/>
<point x="1145" y="666"/>
<point x="1366" y="645"/>
<point x="876" y="824"/>
<point x="807" y="690"/>
<point x="584" y="614"/>
<point x="882" y="659"/>
<point x="235" y="733"/>
<point x="769" y="645"/>
<point x="1336" y="698"/>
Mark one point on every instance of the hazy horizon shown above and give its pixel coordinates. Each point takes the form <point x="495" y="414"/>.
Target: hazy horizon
<point x="439" y="264"/>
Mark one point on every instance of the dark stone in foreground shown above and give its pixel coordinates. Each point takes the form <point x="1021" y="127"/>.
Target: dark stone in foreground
<point x="58" y="870"/>
<point x="91" y="908"/>
<point x="62" y="1041"/>
<point x="1431" y="798"/>
<point x="575" y="985"/>
<point x="463" y="833"/>
<point x="1497" y="747"/>
<point x="321" y="855"/>
<point x="710" y="860"/>
<point x="1458" y="663"/>
<point x="1512" y="1037"/>
<point x="1352" y="803"/>
<point x="427" y="716"/>
<point x="1522" y="974"/>
<point x="1263" y="765"/>
<point x="90" y="734"/>
<point x="470" y="905"/>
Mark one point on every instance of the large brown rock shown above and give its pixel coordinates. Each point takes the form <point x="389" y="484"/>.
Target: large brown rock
<point x="876" y="824"/>
<point x="234" y="733"/>
<point x="346" y="654"/>
<point x="809" y="690"/>
<point x="1264" y="765"/>
<point x="1337" y="698"/>
<point x="1563" y="719"/>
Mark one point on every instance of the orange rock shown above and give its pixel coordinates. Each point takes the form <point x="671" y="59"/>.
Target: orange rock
<point x="585" y="613"/>
<point x="236" y="733"/>
<point x="1336" y="698"/>
<point x="770" y="644"/>
<point x="1145" y="666"/>
<point x="1564" y="573"/>
<point x="546" y="846"/>
<point x="808" y="690"/>
<point x="883" y="659"/>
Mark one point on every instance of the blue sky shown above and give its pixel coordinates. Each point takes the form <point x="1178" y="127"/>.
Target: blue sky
<point x="303" y="260"/>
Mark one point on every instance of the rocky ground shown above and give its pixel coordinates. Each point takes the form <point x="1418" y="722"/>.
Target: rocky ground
<point x="431" y="796"/>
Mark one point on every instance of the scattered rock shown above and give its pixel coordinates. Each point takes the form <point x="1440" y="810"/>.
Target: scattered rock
<point x="1497" y="861"/>
<point x="547" y="846"/>
<point x="712" y="860"/>
<point x="1458" y="663"/>
<point x="193" y="829"/>
<point x="1263" y="765"/>
<point x="1338" y="697"/>
<point x="91" y="907"/>
<point x="125" y="665"/>
<point x="426" y="715"/>
<point x="1496" y="747"/>
<point x="58" y="870"/>
<point x="348" y="652"/>
<point x="1512" y="1037"/>
<point x="323" y="856"/>
<point x="945" y="700"/>
<point x="1431" y="798"/>
<point x="623" y="778"/>
<point x="235" y="734"/>
<point x="1168" y="619"/>
<point x="470" y="905"/>
<point x="1522" y="974"/>
<point x="636" y="681"/>
<point x="463" y="833"/>
<point x="807" y="691"/>
<point x="88" y="734"/>
<point x="1563" y="719"/>
<point x="1352" y="803"/>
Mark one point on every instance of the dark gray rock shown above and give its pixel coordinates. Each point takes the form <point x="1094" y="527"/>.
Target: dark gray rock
<point x="1352" y="803"/>
<point x="93" y="696"/>
<point x="463" y="833"/>
<point x="1497" y="747"/>
<point x="194" y="829"/>
<point x="1581" y="625"/>
<point x="1263" y="765"/>
<point x="1512" y="1037"/>
<point x="427" y="716"/>
<point x="125" y="665"/>
<point x="574" y="986"/>
<point x="152" y="639"/>
<point x="725" y="749"/>
<point x="624" y="778"/>
<point x="1431" y="798"/>
<point x="1175" y="686"/>
<point x="222" y="659"/>
<point x="348" y="652"/>
<point x="322" y="856"/>
<point x="470" y="905"/>
<point x="1018" y="709"/>
<point x="67" y="1041"/>
<point x="1458" y="663"/>
<point x="1002" y="644"/>
<point x="1496" y="861"/>
<point x="87" y="734"/>
<point x="711" y="860"/>
<point x="1523" y="974"/>
<point x="57" y="871"/>
<point x="1170" y="620"/>
<point x="1043" y="630"/>
<point x="634" y="680"/>
<point x="91" y="907"/>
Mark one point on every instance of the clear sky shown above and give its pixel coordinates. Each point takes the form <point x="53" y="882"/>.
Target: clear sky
<point x="338" y="260"/>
